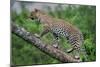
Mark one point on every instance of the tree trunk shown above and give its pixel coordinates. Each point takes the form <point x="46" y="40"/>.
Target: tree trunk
<point x="50" y="50"/>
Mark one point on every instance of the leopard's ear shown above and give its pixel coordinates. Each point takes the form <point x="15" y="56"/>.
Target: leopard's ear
<point x="36" y="10"/>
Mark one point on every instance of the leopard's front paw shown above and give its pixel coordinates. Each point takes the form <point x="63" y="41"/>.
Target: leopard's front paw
<point x="38" y="36"/>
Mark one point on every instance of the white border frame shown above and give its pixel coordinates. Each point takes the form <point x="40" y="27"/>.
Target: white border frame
<point x="84" y="2"/>
<point x="5" y="33"/>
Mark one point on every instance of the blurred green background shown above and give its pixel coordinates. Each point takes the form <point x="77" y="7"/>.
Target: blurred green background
<point x="83" y="17"/>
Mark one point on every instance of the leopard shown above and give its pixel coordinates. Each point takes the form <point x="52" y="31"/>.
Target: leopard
<point x="59" y="28"/>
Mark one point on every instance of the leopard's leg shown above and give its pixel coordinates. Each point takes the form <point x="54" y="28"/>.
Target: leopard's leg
<point x="56" y="41"/>
<point x="71" y="48"/>
<point x="76" y="53"/>
<point x="44" y="32"/>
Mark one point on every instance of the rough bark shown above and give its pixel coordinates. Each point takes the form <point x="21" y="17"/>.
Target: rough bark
<point x="50" y="50"/>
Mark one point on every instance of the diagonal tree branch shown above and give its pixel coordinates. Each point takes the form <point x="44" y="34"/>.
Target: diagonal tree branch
<point x="50" y="50"/>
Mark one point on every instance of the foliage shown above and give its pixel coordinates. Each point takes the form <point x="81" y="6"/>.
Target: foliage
<point x="84" y="17"/>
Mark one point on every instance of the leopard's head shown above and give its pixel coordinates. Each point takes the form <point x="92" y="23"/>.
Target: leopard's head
<point x="33" y="14"/>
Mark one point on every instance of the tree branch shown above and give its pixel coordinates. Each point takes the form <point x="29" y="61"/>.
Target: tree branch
<point x="50" y="50"/>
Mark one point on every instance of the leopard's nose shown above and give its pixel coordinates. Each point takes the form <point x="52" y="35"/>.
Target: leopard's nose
<point x="32" y="18"/>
